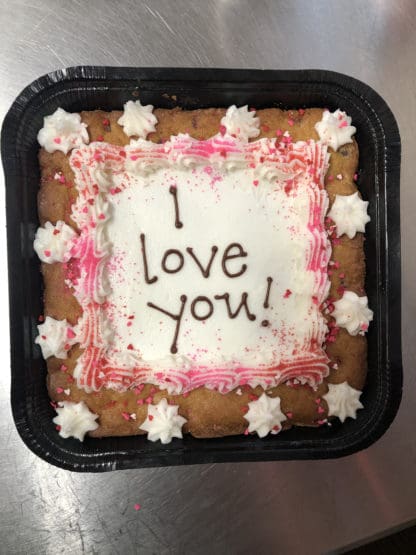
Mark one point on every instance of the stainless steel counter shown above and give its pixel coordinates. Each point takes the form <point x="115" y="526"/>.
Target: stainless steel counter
<point x="283" y="507"/>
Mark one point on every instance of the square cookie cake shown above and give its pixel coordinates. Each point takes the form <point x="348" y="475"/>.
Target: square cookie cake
<point x="203" y="270"/>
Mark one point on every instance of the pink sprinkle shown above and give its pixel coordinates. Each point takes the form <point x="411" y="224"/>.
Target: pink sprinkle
<point x="63" y="368"/>
<point x="290" y="122"/>
<point x="339" y="176"/>
<point x="140" y="401"/>
<point x="315" y="300"/>
<point x="101" y="216"/>
<point x="279" y="132"/>
<point x="289" y="414"/>
<point x="355" y="176"/>
<point x="149" y="400"/>
<point x="137" y="507"/>
<point x="223" y="130"/>
<point x="321" y="410"/>
<point x="59" y="390"/>
<point x="129" y="323"/>
<point x="318" y="401"/>
<point x="61" y="179"/>
<point x="57" y="140"/>
<point x="343" y="124"/>
<point x="341" y="275"/>
<point x="255" y="182"/>
<point x="125" y="415"/>
<point x="364" y="327"/>
<point x="330" y="177"/>
<point x="336" y="264"/>
<point x="100" y="138"/>
<point x="133" y="157"/>
<point x="246" y="432"/>
<point x="70" y="333"/>
<point x="301" y="111"/>
<point x="47" y="253"/>
<point x="331" y="339"/>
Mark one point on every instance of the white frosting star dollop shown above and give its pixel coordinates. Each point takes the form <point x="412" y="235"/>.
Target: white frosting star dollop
<point x="349" y="213"/>
<point x="352" y="312"/>
<point x="264" y="415"/>
<point x="54" y="336"/>
<point x="335" y="129"/>
<point x="342" y="400"/>
<point x="75" y="420"/>
<point x="163" y="422"/>
<point x="53" y="242"/>
<point x="138" y="120"/>
<point x="62" y="131"/>
<point x="241" y="123"/>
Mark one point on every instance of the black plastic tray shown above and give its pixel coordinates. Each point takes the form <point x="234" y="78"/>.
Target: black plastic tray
<point x="89" y="88"/>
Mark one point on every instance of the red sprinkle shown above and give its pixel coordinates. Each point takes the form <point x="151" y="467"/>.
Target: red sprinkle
<point x="106" y="122"/>
<point x="100" y="138"/>
<point x="56" y="231"/>
<point x="223" y="130"/>
<point x="150" y="417"/>
<point x="287" y="294"/>
<point x="58" y="428"/>
<point x="130" y="347"/>
<point x="265" y="128"/>
<point x="41" y="318"/>
<point x="255" y="182"/>
<point x="301" y="111"/>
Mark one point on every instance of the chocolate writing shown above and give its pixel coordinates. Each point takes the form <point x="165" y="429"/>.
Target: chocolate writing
<point x="202" y="307"/>
<point x="176" y="317"/>
<point x="174" y="192"/>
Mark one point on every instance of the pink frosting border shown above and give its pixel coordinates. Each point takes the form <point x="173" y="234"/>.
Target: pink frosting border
<point x="93" y="371"/>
